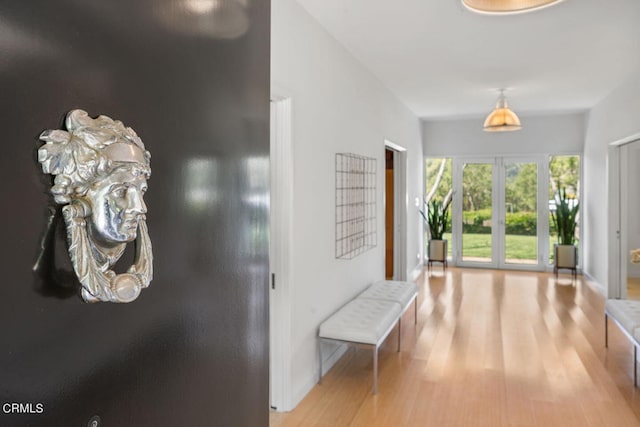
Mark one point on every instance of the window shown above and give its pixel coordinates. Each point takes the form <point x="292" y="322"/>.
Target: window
<point x="564" y="174"/>
<point x="439" y="173"/>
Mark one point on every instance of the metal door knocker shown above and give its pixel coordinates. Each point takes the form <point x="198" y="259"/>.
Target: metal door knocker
<point x="101" y="169"/>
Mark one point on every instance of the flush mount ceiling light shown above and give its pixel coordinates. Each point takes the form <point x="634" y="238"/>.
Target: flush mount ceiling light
<point x="501" y="7"/>
<point x="502" y="119"/>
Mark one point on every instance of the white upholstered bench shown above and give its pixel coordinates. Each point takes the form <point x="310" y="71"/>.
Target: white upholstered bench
<point x="626" y="314"/>
<point x="368" y="319"/>
<point x="404" y="293"/>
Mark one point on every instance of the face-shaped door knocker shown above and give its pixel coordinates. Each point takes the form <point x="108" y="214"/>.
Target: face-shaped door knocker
<point x="101" y="169"/>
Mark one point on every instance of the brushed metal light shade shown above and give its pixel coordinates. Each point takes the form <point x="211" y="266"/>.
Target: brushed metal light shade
<point x="502" y="118"/>
<point x="506" y="6"/>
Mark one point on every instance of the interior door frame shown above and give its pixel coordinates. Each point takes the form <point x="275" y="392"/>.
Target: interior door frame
<point x="280" y="253"/>
<point x="624" y="219"/>
<point x="617" y="218"/>
<point x="615" y="289"/>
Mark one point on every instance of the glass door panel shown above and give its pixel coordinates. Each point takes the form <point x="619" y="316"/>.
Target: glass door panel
<point x="477" y="213"/>
<point x="520" y="213"/>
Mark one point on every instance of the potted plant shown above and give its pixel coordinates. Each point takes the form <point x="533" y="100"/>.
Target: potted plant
<point x="565" y="253"/>
<point x="437" y="218"/>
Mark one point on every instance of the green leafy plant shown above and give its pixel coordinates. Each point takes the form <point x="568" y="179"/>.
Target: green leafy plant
<point x="437" y="218"/>
<point x="521" y="223"/>
<point x="564" y="217"/>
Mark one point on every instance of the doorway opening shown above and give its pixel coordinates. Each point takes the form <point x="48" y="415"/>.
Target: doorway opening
<point x="395" y="211"/>
<point x="630" y="242"/>
<point x="388" y="214"/>
<point x="624" y="258"/>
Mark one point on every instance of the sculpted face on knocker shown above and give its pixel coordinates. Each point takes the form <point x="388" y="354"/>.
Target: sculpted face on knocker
<point x="101" y="170"/>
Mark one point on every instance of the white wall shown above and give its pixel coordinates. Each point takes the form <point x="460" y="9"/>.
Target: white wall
<point x="560" y="134"/>
<point x="614" y="118"/>
<point x="338" y="106"/>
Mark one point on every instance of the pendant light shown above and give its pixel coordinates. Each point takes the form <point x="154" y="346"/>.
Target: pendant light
<point x="502" y="119"/>
<point x="502" y="7"/>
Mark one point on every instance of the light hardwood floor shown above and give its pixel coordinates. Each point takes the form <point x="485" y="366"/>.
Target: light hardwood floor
<point x="633" y="288"/>
<point x="491" y="348"/>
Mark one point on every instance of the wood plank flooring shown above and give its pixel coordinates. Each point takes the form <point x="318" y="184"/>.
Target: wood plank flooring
<point x="491" y="348"/>
<point x="633" y="288"/>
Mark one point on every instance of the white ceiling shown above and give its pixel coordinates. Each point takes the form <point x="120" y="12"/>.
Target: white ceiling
<point x="443" y="60"/>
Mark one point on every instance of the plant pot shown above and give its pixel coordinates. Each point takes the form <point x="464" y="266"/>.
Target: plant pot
<point x="565" y="257"/>
<point x="438" y="252"/>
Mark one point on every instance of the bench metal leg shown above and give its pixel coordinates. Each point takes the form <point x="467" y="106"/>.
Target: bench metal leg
<point x="375" y="370"/>
<point x="635" y="365"/>
<point x="320" y="358"/>
<point x="606" y="330"/>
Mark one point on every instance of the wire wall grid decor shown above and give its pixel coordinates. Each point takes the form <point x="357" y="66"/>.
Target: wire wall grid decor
<point x="355" y="205"/>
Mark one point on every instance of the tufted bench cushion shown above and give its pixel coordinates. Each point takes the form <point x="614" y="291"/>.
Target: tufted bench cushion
<point x="362" y="320"/>
<point x="400" y="292"/>
<point x="368" y="319"/>
<point x="625" y="312"/>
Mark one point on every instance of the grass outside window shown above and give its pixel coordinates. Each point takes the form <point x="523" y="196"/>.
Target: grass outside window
<point x="479" y="245"/>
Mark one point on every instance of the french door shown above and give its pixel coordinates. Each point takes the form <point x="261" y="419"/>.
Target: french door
<point x="500" y="212"/>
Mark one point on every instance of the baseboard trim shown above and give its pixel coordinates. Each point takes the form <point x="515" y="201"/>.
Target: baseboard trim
<point x="311" y="381"/>
<point x="591" y="281"/>
<point x="417" y="271"/>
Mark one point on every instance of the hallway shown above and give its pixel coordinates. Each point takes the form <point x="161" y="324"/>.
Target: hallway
<point x="491" y="348"/>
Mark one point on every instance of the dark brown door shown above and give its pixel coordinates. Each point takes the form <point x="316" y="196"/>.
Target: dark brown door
<point x="192" y="350"/>
<point x="389" y="213"/>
